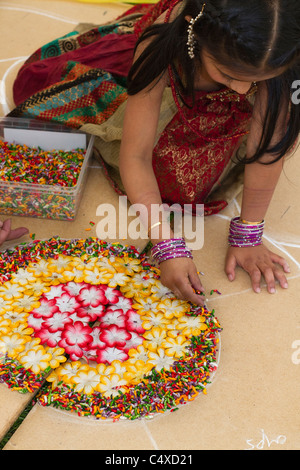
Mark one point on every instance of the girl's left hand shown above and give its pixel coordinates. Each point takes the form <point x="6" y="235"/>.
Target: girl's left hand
<point x="258" y="261"/>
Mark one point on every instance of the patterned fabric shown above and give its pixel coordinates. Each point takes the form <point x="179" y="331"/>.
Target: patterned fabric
<point x="108" y="48"/>
<point x="83" y="95"/>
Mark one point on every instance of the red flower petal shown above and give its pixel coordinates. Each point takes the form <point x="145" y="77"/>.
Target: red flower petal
<point x="91" y="296"/>
<point x="114" y="336"/>
<point x="74" y="351"/>
<point x="67" y="303"/>
<point x="58" y="321"/>
<point x="112" y="295"/>
<point x="94" y="312"/>
<point x="96" y="343"/>
<point x="46" y="309"/>
<point x="133" y="342"/>
<point x="108" y="355"/>
<point x="113" y="317"/>
<point x="77" y="333"/>
<point x="134" y="322"/>
<point x="51" y="339"/>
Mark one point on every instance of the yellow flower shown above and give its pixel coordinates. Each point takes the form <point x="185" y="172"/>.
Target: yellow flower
<point x="87" y="382"/>
<point x="191" y="325"/>
<point x="138" y="354"/>
<point x="102" y="263"/>
<point x="24" y="330"/>
<point x="130" y="291"/>
<point x="31" y="343"/>
<point x="143" y="280"/>
<point x="175" y="347"/>
<point x="54" y="279"/>
<point x="118" y="279"/>
<point x="5" y="305"/>
<point x="160" y="292"/>
<point x="40" y="269"/>
<point x="74" y="274"/>
<point x="118" y="367"/>
<point x="78" y="263"/>
<point x="154" y="319"/>
<point x="145" y="305"/>
<point x="16" y="318"/>
<point x="60" y="264"/>
<point x="173" y="307"/>
<point x="26" y="303"/>
<point x="102" y="369"/>
<point x="12" y="344"/>
<point x="70" y="369"/>
<point x="36" y="288"/>
<point x="10" y="290"/>
<point x="154" y="338"/>
<point x="36" y="359"/>
<point x="135" y="372"/>
<point x="22" y="277"/>
<point x="127" y="265"/>
<point x="57" y="356"/>
<point x="54" y="378"/>
<point x="97" y="276"/>
<point x="5" y="326"/>
<point x="110" y="386"/>
<point x="160" y="360"/>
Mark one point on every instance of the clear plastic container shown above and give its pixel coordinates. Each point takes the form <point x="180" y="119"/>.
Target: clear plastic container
<point x="41" y="200"/>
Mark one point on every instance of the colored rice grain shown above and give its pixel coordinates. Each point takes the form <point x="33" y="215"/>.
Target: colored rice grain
<point x="39" y="183"/>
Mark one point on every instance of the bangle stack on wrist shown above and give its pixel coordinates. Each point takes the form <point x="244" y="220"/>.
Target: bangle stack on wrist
<point x="170" y="249"/>
<point x="243" y="233"/>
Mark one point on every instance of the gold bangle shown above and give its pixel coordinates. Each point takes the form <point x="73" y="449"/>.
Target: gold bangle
<point x="251" y="223"/>
<point x="154" y="225"/>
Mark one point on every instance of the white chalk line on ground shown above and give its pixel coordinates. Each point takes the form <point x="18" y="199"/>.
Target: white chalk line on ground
<point x="48" y="14"/>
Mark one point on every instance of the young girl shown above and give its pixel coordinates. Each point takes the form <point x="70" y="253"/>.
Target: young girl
<point x="205" y="75"/>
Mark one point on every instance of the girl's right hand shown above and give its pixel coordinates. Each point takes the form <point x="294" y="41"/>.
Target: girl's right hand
<point x="181" y="277"/>
<point x="6" y="233"/>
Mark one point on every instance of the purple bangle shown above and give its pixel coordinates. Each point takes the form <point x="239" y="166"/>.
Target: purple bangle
<point x="244" y="235"/>
<point x="170" y="249"/>
<point x="166" y="258"/>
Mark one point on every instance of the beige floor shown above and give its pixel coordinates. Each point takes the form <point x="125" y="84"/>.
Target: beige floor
<point x="253" y="401"/>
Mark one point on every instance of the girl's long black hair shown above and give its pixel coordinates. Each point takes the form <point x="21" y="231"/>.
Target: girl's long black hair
<point x="242" y="35"/>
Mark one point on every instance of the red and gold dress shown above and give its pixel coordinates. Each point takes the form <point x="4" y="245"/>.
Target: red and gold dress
<point x="80" y="80"/>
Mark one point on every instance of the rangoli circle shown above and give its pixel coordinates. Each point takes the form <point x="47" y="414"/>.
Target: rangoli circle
<point x="89" y="325"/>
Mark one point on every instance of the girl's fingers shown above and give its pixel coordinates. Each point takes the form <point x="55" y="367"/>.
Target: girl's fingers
<point x="17" y="233"/>
<point x="230" y="267"/>
<point x="270" y="274"/>
<point x="258" y="262"/>
<point x="255" y="276"/>
<point x="186" y="292"/>
<point x="181" y="277"/>
<point x="4" y="231"/>
<point x="281" y="261"/>
<point x="195" y="281"/>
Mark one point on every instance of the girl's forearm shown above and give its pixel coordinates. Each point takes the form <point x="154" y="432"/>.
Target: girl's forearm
<point x="260" y="182"/>
<point x="141" y="188"/>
